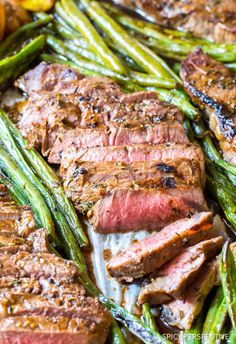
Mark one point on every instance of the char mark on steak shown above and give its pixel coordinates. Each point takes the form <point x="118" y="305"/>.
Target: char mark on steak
<point x="86" y="183"/>
<point x="216" y="21"/>
<point x="213" y="87"/>
<point x="148" y="255"/>
<point x="173" y="278"/>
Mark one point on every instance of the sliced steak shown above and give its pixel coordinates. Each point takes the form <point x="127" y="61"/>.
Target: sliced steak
<point x="36" y="265"/>
<point x="138" y="153"/>
<point x="49" y="77"/>
<point x="4" y="196"/>
<point x="181" y="313"/>
<point x="95" y="103"/>
<point x="216" y="21"/>
<point x="213" y="87"/>
<point x="151" y="253"/>
<point x="39" y="286"/>
<point x="86" y="183"/>
<point x="18" y="220"/>
<point x="54" y="330"/>
<point x="83" y="307"/>
<point x="173" y="278"/>
<point x="126" y="209"/>
<point x="118" y="136"/>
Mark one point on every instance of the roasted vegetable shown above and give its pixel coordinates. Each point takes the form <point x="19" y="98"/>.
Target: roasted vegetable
<point x="50" y="180"/>
<point x="36" y="5"/>
<point x="15" y="16"/>
<point x="216" y="317"/>
<point x="12" y="42"/>
<point x="81" y="23"/>
<point x="11" y="67"/>
<point x="228" y="279"/>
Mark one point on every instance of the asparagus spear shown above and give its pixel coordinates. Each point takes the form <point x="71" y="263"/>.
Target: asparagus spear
<point x="11" y="67"/>
<point x="228" y="279"/>
<point x="215" y="319"/>
<point x="59" y="220"/>
<point x="49" y="179"/>
<point x="13" y="191"/>
<point x="120" y="36"/>
<point x="156" y="38"/>
<point x="232" y="337"/>
<point x="81" y="23"/>
<point x="39" y="208"/>
<point x="134" y="324"/>
<point x="148" y="317"/>
<point x="23" y="32"/>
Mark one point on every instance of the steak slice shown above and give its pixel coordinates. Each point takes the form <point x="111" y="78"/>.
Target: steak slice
<point x="216" y="21"/>
<point x="49" y="77"/>
<point x="173" y="278"/>
<point x="36" y="265"/>
<point x="118" y="136"/>
<point x="83" y="307"/>
<point x="39" y="286"/>
<point x="151" y="253"/>
<point x="126" y="209"/>
<point x="54" y="330"/>
<point x="181" y="313"/>
<point x="137" y="153"/>
<point x="213" y="87"/>
<point x="86" y="183"/>
<point x="18" y="220"/>
<point x="4" y="196"/>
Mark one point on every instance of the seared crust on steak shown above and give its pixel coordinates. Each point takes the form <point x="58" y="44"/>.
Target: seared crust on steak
<point x="214" y="20"/>
<point x="213" y="87"/>
<point x="147" y="255"/>
<point x="173" y="278"/>
<point x="86" y="183"/>
<point x="95" y="103"/>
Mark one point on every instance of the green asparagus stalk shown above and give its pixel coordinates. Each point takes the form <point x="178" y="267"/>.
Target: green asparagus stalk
<point x="156" y="38"/>
<point x="228" y="279"/>
<point x="232" y="337"/>
<point x="123" y="39"/>
<point x="215" y="319"/>
<point x="81" y="23"/>
<point x="49" y="179"/>
<point x="13" y="191"/>
<point x="58" y="218"/>
<point x="148" y="317"/>
<point x="11" y="67"/>
<point x="133" y="323"/>
<point x="23" y="32"/>
<point x="39" y="208"/>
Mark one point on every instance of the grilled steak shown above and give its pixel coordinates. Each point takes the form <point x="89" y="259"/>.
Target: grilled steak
<point x="216" y="21"/>
<point x="16" y="220"/>
<point x="49" y="77"/>
<point x="39" y="329"/>
<point x="175" y="275"/>
<point x="118" y="136"/>
<point x="213" y="87"/>
<point x="96" y="103"/>
<point x="181" y="313"/>
<point x="149" y="254"/>
<point x="40" y="298"/>
<point x="130" y="154"/>
<point x="126" y="209"/>
<point x="86" y="183"/>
